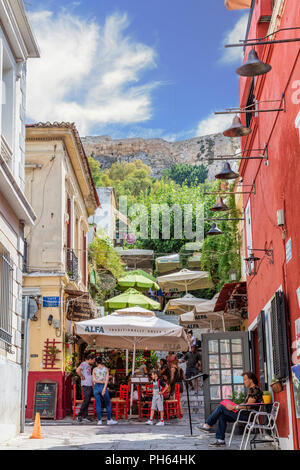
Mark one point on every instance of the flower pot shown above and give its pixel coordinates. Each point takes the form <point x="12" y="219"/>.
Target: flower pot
<point x="277" y="387"/>
<point x="267" y="399"/>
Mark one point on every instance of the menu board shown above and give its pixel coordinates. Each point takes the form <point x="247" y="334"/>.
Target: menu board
<point x="45" y="399"/>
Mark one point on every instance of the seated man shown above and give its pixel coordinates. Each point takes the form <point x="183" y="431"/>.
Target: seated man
<point x="224" y="414"/>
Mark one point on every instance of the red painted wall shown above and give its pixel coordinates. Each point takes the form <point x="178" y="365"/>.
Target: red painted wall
<point x="278" y="184"/>
<point x="64" y="405"/>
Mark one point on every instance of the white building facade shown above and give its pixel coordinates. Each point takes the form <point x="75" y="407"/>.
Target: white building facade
<point x="17" y="44"/>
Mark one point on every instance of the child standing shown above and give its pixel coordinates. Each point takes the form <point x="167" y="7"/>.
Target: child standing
<point x="159" y="388"/>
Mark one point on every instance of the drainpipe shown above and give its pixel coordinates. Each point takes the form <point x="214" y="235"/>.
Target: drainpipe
<point x="24" y="364"/>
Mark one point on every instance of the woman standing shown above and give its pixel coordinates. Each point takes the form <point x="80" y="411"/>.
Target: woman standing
<point x="100" y="380"/>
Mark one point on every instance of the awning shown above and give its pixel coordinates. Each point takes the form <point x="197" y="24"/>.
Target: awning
<point x="232" y="288"/>
<point x="238" y="4"/>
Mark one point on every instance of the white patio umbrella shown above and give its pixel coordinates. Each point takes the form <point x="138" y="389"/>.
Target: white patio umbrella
<point x="134" y="311"/>
<point x="186" y="303"/>
<point x="212" y="320"/>
<point x="133" y="332"/>
<point x="185" y="280"/>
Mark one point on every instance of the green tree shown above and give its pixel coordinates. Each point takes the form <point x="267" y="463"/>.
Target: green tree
<point x="129" y="179"/>
<point x="221" y="253"/>
<point x="108" y="266"/>
<point x="184" y="173"/>
<point x="96" y="171"/>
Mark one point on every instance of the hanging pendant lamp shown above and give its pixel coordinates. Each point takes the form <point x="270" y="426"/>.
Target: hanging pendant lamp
<point x="219" y="206"/>
<point x="253" y="66"/>
<point x="227" y="173"/>
<point x="237" y="129"/>
<point x="214" y="230"/>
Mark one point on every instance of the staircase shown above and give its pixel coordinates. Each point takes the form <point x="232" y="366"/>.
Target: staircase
<point x="196" y="405"/>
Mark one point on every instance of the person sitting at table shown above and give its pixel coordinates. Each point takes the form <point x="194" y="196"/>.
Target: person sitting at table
<point x="144" y="369"/>
<point x="228" y="413"/>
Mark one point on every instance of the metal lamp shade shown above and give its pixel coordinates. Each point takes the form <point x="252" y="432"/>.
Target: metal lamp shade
<point x="219" y="206"/>
<point x="227" y="173"/>
<point x="253" y="66"/>
<point x="237" y="129"/>
<point x="214" y="231"/>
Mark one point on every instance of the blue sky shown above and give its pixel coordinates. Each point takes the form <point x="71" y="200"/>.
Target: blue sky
<point x="133" y="67"/>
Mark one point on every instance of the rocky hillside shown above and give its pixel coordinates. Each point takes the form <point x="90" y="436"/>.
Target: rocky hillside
<point x="160" y="154"/>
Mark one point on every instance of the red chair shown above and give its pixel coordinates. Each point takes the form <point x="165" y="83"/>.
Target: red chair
<point x="77" y="404"/>
<point x="120" y="404"/>
<point x="172" y="407"/>
<point x="145" y="403"/>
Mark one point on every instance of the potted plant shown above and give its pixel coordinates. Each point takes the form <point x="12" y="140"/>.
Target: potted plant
<point x="267" y="397"/>
<point x="276" y="385"/>
<point x="53" y="351"/>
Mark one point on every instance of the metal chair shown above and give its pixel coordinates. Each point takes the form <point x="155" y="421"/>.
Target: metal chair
<point x="242" y="422"/>
<point x="270" y="425"/>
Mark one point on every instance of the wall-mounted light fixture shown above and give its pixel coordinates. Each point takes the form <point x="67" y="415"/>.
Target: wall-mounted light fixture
<point x="252" y="261"/>
<point x="261" y="42"/>
<point x="50" y="320"/>
<point x="239" y="155"/>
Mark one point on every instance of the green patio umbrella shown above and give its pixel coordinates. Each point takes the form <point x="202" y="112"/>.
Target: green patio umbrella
<point x="141" y="272"/>
<point x="138" y="282"/>
<point x="131" y="298"/>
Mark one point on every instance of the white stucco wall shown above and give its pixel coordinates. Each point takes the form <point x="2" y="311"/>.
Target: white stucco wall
<point x="10" y="393"/>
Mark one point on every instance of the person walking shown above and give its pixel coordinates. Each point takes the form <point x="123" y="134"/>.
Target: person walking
<point x="100" y="380"/>
<point x="193" y="361"/>
<point x="84" y="370"/>
<point x="159" y="389"/>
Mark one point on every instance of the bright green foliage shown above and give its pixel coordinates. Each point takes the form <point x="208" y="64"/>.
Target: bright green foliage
<point x="105" y="260"/>
<point x="188" y="174"/>
<point x="221" y="253"/>
<point x="166" y="191"/>
<point x="129" y="179"/>
<point x="96" y="171"/>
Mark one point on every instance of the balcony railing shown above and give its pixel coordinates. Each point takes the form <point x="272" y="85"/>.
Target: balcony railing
<point x="6" y="152"/>
<point x="72" y="265"/>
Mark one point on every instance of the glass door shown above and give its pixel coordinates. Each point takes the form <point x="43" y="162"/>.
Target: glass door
<point x="225" y="357"/>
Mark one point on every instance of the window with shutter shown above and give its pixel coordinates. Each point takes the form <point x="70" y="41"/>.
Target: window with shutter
<point x="262" y="351"/>
<point x="279" y="337"/>
<point x="6" y="286"/>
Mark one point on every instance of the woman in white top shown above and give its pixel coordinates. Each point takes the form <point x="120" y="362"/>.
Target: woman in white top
<point x="100" y="381"/>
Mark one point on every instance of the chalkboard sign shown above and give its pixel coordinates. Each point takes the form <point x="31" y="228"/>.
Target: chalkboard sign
<point x="45" y="399"/>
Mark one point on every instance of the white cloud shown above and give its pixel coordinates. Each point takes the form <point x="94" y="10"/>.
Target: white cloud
<point x="88" y="73"/>
<point x="214" y="124"/>
<point x="235" y="54"/>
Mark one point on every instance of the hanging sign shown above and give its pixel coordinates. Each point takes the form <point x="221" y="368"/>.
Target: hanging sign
<point x="81" y="309"/>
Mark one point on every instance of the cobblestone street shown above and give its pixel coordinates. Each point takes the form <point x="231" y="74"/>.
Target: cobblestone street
<point x="133" y="435"/>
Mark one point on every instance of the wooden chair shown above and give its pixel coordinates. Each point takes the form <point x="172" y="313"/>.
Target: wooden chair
<point x="77" y="404"/>
<point x="145" y="404"/>
<point x="120" y="404"/>
<point x="172" y="407"/>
